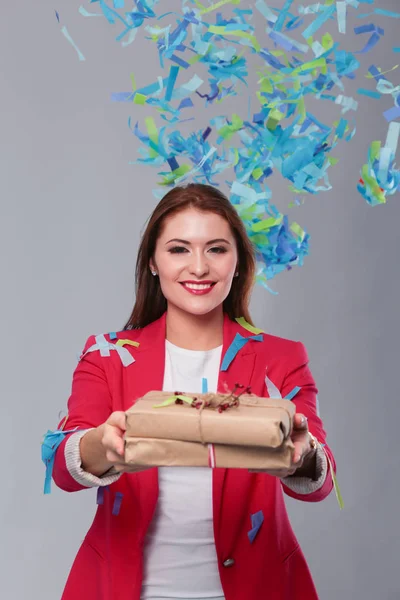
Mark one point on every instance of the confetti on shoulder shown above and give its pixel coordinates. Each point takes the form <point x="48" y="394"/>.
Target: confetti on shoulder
<point x="242" y="321"/>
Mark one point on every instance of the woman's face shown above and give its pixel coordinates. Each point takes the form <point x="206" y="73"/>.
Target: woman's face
<point x="196" y="259"/>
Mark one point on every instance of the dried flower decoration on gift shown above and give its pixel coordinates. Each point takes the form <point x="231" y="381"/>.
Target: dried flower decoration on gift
<point x="219" y="402"/>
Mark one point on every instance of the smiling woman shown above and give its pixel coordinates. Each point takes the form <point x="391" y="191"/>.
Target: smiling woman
<point x="188" y="532"/>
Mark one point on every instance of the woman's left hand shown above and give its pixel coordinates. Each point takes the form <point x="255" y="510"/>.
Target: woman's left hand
<point x="304" y="453"/>
<point x="303" y="461"/>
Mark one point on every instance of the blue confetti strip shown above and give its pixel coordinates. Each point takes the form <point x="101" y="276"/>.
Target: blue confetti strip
<point x="51" y="442"/>
<point x="204" y="385"/>
<point x="238" y="343"/>
<point x="392" y="113"/>
<point x="68" y="37"/>
<point x="293" y="393"/>
<point x="257" y="519"/>
<point x="100" y="496"/>
<point x="117" y="503"/>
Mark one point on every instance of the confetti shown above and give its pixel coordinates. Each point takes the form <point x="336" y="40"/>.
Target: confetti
<point x="100" y="496"/>
<point x="392" y="113"/>
<point x="256" y="521"/>
<point x="86" y="13"/>
<point x="242" y="321"/>
<point x="237" y="344"/>
<point x="51" y="442"/>
<point x="377" y="32"/>
<point x="293" y="393"/>
<point x="104" y="347"/>
<point x="369" y="93"/>
<point x="117" y="503"/>
<point x="379" y="177"/>
<point x="298" y="63"/>
<point x="68" y="37"/>
<point x="380" y="11"/>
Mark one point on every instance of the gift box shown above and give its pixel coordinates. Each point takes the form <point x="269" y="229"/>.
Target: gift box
<point x="253" y="421"/>
<point x="155" y="452"/>
<point x="216" y="430"/>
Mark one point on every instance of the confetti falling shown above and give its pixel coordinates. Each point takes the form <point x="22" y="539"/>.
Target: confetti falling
<point x="68" y="37"/>
<point x="298" y="63"/>
<point x="379" y="177"/>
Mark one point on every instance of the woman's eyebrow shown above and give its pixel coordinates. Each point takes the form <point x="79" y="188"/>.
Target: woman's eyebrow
<point x="216" y="241"/>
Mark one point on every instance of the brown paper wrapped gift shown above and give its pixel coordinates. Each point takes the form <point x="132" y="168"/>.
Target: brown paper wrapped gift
<point x="254" y="422"/>
<point x="253" y="435"/>
<point x="153" y="452"/>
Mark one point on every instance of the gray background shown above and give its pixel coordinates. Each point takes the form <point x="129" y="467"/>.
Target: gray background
<point x="72" y="210"/>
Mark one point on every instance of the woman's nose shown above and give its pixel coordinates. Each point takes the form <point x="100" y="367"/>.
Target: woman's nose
<point x="198" y="265"/>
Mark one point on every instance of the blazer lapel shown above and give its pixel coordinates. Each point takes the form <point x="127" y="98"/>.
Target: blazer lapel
<point x="149" y="376"/>
<point x="150" y="359"/>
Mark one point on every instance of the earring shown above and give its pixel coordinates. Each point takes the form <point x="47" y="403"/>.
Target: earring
<point x="237" y="274"/>
<point x="154" y="273"/>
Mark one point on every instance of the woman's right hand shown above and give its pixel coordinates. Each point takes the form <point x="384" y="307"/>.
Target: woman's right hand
<point x="113" y="431"/>
<point x="112" y="439"/>
<point x="102" y="448"/>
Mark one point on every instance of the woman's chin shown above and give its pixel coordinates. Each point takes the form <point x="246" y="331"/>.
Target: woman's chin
<point x="196" y="306"/>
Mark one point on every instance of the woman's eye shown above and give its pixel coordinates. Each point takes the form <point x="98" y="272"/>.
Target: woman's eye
<point x="177" y="250"/>
<point x="218" y="249"/>
<point x="182" y="249"/>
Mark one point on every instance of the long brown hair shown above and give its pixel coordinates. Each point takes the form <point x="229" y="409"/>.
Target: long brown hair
<point x="150" y="302"/>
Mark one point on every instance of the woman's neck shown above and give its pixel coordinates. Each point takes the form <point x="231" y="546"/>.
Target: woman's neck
<point x="195" y="332"/>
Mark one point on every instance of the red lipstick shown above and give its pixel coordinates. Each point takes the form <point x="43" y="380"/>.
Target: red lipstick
<point x="198" y="288"/>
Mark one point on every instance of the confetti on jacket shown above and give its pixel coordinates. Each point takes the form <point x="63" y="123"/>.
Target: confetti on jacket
<point x="206" y="56"/>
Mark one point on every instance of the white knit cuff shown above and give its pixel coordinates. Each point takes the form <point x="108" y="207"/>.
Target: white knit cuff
<point x="305" y="485"/>
<point x="74" y="464"/>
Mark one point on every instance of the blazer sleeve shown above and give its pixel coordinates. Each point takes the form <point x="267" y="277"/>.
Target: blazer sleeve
<point x="299" y="374"/>
<point x="89" y="405"/>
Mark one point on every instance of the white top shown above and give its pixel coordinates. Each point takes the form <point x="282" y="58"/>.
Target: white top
<point x="179" y="554"/>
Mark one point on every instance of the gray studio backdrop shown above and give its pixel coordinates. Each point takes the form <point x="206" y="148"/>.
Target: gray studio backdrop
<point x="72" y="210"/>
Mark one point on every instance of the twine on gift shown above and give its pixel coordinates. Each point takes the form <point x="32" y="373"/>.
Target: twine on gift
<point x="222" y="405"/>
<point x="225" y="403"/>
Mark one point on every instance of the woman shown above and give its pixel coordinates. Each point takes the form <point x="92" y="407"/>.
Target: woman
<point x="180" y="533"/>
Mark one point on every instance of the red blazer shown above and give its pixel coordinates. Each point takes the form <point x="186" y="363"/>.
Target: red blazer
<point x="109" y="564"/>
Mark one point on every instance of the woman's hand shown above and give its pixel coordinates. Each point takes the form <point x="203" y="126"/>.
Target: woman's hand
<point x="303" y="461"/>
<point x="103" y="448"/>
<point x="112" y="439"/>
<point x="113" y="431"/>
